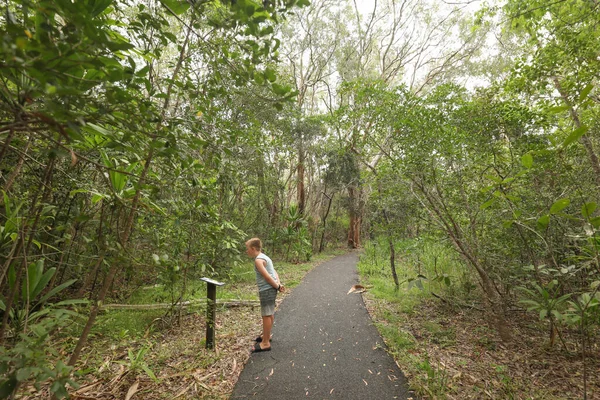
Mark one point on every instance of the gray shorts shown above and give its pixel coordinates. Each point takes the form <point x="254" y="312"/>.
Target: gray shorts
<point x="267" y="301"/>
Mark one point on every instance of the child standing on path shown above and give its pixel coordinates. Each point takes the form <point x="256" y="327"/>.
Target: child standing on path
<point x="268" y="284"/>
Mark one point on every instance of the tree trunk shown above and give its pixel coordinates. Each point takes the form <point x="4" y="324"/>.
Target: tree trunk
<point x="89" y="277"/>
<point x="393" y="262"/>
<point x="301" y="189"/>
<point x="355" y="218"/>
<point x="93" y="313"/>
<point x="263" y="188"/>
<point x="321" y="244"/>
<point x="392" y="249"/>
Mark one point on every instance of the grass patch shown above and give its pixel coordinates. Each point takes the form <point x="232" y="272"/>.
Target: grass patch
<point x="125" y="324"/>
<point x="397" y="340"/>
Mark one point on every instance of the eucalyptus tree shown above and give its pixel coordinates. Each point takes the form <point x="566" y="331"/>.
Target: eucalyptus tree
<point x="416" y="42"/>
<point x="311" y="39"/>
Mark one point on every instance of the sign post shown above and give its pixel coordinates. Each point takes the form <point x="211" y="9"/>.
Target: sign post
<point x="211" y="310"/>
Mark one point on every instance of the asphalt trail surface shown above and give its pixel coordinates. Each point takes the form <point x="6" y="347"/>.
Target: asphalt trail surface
<point x="324" y="345"/>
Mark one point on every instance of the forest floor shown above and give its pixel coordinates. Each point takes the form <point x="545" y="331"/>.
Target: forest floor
<point x="141" y="354"/>
<point x="446" y="351"/>
<point x="451" y="352"/>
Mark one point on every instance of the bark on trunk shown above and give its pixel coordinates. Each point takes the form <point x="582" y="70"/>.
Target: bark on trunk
<point x="355" y="218"/>
<point x="89" y="277"/>
<point x="393" y="262"/>
<point x="321" y="244"/>
<point x="93" y="313"/>
<point x="392" y="250"/>
<point x="301" y="190"/>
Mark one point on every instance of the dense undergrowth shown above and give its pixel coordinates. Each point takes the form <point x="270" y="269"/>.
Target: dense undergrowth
<point x="439" y="334"/>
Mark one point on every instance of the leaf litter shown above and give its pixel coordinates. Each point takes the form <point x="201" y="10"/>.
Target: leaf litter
<point x="465" y="358"/>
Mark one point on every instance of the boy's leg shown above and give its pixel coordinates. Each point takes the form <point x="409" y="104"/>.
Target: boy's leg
<point x="267" y="308"/>
<point x="272" y="322"/>
<point x="267" y="325"/>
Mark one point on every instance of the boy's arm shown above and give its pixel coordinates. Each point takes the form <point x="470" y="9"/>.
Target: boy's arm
<point x="260" y="267"/>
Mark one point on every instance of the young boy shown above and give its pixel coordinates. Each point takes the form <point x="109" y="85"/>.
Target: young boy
<point x="268" y="284"/>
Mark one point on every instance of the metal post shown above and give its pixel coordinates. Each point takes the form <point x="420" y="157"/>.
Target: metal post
<point x="211" y="310"/>
<point x="211" y="314"/>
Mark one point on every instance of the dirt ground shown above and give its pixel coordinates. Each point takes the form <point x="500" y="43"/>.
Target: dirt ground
<point x="467" y="360"/>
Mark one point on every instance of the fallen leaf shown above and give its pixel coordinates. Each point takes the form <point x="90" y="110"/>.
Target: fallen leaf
<point x="132" y="390"/>
<point x="183" y="391"/>
<point x="356" y="288"/>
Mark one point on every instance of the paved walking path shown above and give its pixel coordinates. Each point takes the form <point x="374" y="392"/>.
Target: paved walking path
<point x="324" y="345"/>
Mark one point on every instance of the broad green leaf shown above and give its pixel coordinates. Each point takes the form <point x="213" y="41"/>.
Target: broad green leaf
<point x="558" y="109"/>
<point x="98" y="6"/>
<point x="34" y="274"/>
<point x="585" y="92"/>
<point x="98" y="196"/>
<point x="595" y="222"/>
<point x="43" y="282"/>
<point x="177" y="6"/>
<point x="487" y="204"/>
<point x="150" y="373"/>
<point x="557" y="315"/>
<point x="575" y="135"/>
<point x="6" y="203"/>
<point x="527" y="160"/>
<point x="543" y="221"/>
<point x="143" y="71"/>
<point x="279" y="89"/>
<point x="588" y="209"/>
<point x="23" y="374"/>
<point x="98" y="129"/>
<point x="559" y="205"/>
<point x="270" y="75"/>
<point x="57" y="290"/>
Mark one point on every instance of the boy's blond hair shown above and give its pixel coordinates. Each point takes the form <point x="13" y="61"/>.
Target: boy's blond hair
<point x="255" y="243"/>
